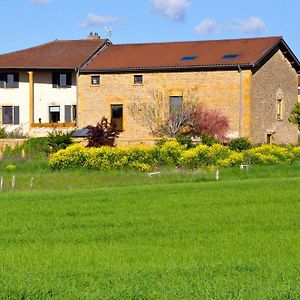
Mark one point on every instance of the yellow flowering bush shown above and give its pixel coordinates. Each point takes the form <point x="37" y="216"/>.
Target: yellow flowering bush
<point x="270" y="154"/>
<point x="234" y="159"/>
<point x="168" y="154"/>
<point x="195" y="157"/>
<point x="171" y="153"/>
<point x="296" y="152"/>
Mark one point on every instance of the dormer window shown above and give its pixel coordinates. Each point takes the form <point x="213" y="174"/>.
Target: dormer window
<point x="188" y="58"/>
<point x="230" y="56"/>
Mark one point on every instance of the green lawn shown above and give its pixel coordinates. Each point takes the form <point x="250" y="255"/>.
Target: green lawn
<point x="123" y="235"/>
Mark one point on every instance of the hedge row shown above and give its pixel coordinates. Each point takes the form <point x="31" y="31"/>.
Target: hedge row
<point x="169" y="154"/>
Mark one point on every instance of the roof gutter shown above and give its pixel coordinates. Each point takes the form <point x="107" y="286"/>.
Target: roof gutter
<point x="166" y="69"/>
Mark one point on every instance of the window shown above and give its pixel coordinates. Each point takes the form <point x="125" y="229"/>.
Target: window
<point x="10" y="115"/>
<point x="230" y="56"/>
<point x="54" y="114"/>
<point x="188" y="58"/>
<point x="62" y="79"/>
<point x="95" y="80"/>
<point x="117" y="116"/>
<point x="9" y="80"/>
<point x="175" y="105"/>
<point x="138" y="79"/>
<point x="279" y="109"/>
<point x="70" y="113"/>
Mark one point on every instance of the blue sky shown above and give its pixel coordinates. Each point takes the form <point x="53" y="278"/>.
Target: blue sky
<point x="26" y="23"/>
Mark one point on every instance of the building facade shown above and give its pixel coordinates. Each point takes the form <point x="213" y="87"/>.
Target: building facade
<point x="251" y="81"/>
<point x="38" y="86"/>
<point x="68" y="84"/>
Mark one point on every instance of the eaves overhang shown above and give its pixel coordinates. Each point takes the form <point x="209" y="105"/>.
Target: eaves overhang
<point x="167" y="69"/>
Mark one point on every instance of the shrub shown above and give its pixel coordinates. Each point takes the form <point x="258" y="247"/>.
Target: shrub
<point x="185" y="140"/>
<point x="270" y="154"/>
<point x="195" y="157"/>
<point x="58" y="139"/>
<point x="208" y="140"/>
<point x="10" y="153"/>
<point x="73" y="156"/>
<point x="296" y="152"/>
<point x="240" y="144"/>
<point x="3" y="133"/>
<point x="234" y="159"/>
<point x="168" y="154"/>
<point x="295" y="115"/>
<point x="210" y="122"/>
<point x="36" y="147"/>
<point x="171" y="153"/>
<point x="103" y="134"/>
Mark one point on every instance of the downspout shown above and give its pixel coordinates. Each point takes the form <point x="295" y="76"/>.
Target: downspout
<point x="241" y="103"/>
<point x="77" y="93"/>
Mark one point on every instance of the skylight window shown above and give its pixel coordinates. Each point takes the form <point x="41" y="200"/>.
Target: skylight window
<point x="188" y="58"/>
<point x="230" y="56"/>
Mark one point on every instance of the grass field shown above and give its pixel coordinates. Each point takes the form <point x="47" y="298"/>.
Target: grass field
<point x="123" y="235"/>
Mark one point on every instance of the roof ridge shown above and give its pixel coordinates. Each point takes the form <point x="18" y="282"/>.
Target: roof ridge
<point x="48" y="43"/>
<point x="200" y="41"/>
<point x="22" y="50"/>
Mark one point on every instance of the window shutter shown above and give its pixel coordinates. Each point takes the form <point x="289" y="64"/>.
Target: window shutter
<point x="68" y="113"/>
<point x="16" y="80"/>
<point x="16" y="115"/>
<point x="55" y="79"/>
<point x="3" y="115"/>
<point x="2" y="81"/>
<point x="69" y="79"/>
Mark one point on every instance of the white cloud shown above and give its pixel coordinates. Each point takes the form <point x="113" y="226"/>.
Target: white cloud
<point x="173" y="10"/>
<point x="40" y="1"/>
<point x="206" y="27"/>
<point x="250" y="25"/>
<point x="94" y="20"/>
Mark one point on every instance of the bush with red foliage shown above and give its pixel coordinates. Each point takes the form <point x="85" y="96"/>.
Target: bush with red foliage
<point x="210" y="122"/>
<point x="103" y="134"/>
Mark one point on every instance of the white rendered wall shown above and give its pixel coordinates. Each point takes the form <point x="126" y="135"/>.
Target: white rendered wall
<point x="45" y="95"/>
<point x="17" y="97"/>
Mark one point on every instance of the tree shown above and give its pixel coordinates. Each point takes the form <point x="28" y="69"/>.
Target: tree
<point x="148" y="113"/>
<point x="156" y="115"/>
<point x="210" y="122"/>
<point x="295" y="115"/>
<point x="103" y="134"/>
<point x="178" y="121"/>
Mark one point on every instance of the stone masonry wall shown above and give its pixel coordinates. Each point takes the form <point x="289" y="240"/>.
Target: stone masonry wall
<point x="216" y="89"/>
<point x="276" y="79"/>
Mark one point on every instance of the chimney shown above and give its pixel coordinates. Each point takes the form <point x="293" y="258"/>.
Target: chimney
<point x="93" y="36"/>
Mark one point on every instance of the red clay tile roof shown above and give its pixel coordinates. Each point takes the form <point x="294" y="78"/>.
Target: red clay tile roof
<point x="58" y="54"/>
<point x="198" y="54"/>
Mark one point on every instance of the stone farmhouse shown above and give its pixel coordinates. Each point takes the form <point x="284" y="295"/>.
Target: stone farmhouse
<point x="38" y="86"/>
<point x="252" y="81"/>
<point x="69" y="84"/>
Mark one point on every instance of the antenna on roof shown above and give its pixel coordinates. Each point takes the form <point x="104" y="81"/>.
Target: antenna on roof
<point x="108" y="31"/>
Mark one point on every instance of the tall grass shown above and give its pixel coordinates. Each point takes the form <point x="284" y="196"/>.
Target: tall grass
<point x="176" y="236"/>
